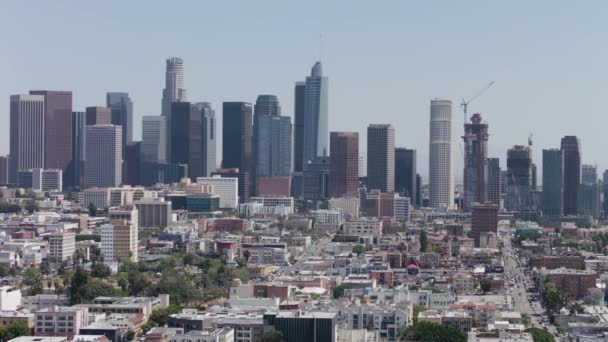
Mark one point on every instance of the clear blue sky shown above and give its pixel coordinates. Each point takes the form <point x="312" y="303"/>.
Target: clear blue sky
<point x="385" y="61"/>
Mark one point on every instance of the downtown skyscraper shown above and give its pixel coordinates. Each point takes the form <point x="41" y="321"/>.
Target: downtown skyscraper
<point x="27" y="127"/>
<point x="344" y="163"/>
<point x="475" y="154"/>
<point x="381" y="158"/>
<point x="237" y="129"/>
<point x="57" y="130"/>
<point x="405" y="173"/>
<point x="519" y="179"/>
<point x="103" y="164"/>
<point x="441" y="177"/>
<point x="121" y="109"/>
<point x="570" y="146"/>
<point x="174" y="84"/>
<point x="272" y="138"/>
<point x="552" y="198"/>
<point x="315" y="141"/>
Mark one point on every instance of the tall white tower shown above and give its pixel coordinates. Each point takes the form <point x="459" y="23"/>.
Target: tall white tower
<point x="174" y="84"/>
<point x="441" y="177"/>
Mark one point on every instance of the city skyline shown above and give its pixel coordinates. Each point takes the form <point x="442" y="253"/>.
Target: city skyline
<point x="211" y="77"/>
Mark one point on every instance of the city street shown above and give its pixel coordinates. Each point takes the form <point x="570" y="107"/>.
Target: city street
<point x="517" y="283"/>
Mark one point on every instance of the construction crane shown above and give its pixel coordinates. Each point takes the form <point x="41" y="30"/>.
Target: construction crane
<point x="465" y="103"/>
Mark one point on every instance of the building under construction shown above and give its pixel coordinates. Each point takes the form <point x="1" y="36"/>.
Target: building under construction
<point x="519" y="180"/>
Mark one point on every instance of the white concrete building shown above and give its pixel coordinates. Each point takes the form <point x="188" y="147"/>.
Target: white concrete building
<point x="62" y="245"/>
<point x="402" y="208"/>
<point x="349" y="206"/>
<point x="60" y="320"/>
<point x="441" y="176"/>
<point x="363" y="226"/>
<point x="100" y="197"/>
<point x="10" y="298"/>
<point x="154" y="212"/>
<point x="119" y="241"/>
<point x="225" y="187"/>
<point x="216" y="335"/>
<point x="328" y="219"/>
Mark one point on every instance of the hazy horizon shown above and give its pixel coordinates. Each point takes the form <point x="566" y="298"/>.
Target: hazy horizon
<point x="385" y="62"/>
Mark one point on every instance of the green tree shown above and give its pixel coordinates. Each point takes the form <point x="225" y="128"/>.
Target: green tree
<point x="338" y="291"/>
<point x="539" y="335"/>
<point x="9" y="208"/>
<point x="101" y="270"/>
<point x="272" y="336"/>
<point x="485" y="285"/>
<point x="427" y="331"/>
<point x="553" y="298"/>
<point x="416" y="311"/>
<point x="17" y="329"/>
<point x="159" y="317"/>
<point x="31" y="207"/>
<point x="32" y="277"/>
<point x="359" y="249"/>
<point x="75" y="283"/>
<point x="424" y="241"/>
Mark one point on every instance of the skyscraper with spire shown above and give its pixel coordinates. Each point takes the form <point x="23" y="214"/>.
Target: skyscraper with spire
<point x="174" y="84"/>
<point x="316" y="131"/>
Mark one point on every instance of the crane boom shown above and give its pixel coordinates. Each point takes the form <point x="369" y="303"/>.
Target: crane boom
<point x="464" y="104"/>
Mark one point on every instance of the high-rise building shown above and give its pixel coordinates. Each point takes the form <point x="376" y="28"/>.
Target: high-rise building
<point x="62" y="245"/>
<point x="381" y="158"/>
<point x="272" y="138"/>
<point x="208" y="139"/>
<point x="484" y="219"/>
<point x="26" y="134"/>
<point x="605" y="191"/>
<point x="493" y="181"/>
<point x="41" y="179"/>
<point x="534" y="183"/>
<point x="103" y="166"/>
<point x="132" y="163"/>
<point x="174" y="84"/>
<point x="588" y="200"/>
<point x="98" y="116"/>
<point x="418" y="190"/>
<point x="405" y="173"/>
<point x="121" y="109"/>
<point x="519" y="179"/>
<point x="79" y="131"/>
<point x="299" y="94"/>
<point x="57" y="129"/>
<point x="4" y="170"/>
<point x="316" y="132"/>
<point x="154" y="139"/>
<point x="315" y="179"/>
<point x="553" y="190"/>
<point x="119" y="241"/>
<point x="588" y="174"/>
<point x="475" y="154"/>
<point x="441" y="178"/>
<point x="570" y="146"/>
<point x="344" y="160"/>
<point x="237" y="132"/>
<point x="187" y="140"/>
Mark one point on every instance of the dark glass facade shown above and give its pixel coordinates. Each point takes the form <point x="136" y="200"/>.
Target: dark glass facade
<point x="570" y="147"/>
<point x="237" y="129"/>
<point x="553" y="190"/>
<point x="405" y="173"/>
